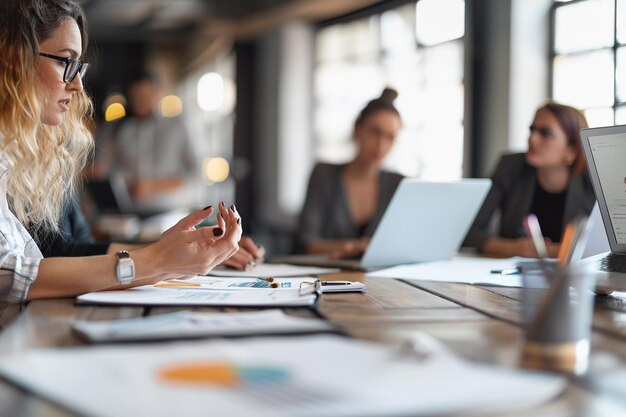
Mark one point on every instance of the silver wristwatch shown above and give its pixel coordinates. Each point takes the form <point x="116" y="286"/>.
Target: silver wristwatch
<point x="125" y="268"/>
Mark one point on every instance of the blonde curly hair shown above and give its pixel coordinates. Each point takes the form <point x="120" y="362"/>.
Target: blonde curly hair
<point x="45" y="161"/>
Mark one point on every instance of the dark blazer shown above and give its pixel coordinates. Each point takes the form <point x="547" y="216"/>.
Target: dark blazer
<point x="325" y="214"/>
<point x="74" y="237"/>
<point x="512" y="194"/>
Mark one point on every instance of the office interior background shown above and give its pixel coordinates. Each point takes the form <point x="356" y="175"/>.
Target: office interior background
<point x="267" y="88"/>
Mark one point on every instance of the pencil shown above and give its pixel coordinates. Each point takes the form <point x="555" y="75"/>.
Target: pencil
<point x="177" y="284"/>
<point x="566" y="244"/>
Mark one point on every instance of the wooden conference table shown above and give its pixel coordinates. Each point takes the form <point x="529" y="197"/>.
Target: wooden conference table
<point x="479" y="323"/>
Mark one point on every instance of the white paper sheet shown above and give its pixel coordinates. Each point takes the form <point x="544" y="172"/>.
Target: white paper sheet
<point x="149" y="295"/>
<point x="319" y="376"/>
<point x="468" y="270"/>
<point x="193" y="324"/>
<point x="273" y="270"/>
<point x="244" y="284"/>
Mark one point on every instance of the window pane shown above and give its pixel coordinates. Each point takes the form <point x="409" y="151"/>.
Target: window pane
<point x="438" y="21"/>
<point x="620" y="75"/>
<point x="348" y="40"/>
<point x="338" y="103"/>
<point x="584" y="81"/>
<point x="431" y="104"/>
<point x="396" y="30"/>
<point x="599" y="117"/>
<point x="584" y="25"/>
<point x="620" y="115"/>
<point x="621" y="21"/>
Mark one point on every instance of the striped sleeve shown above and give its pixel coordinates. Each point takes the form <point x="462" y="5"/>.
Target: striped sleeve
<point x="18" y="271"/>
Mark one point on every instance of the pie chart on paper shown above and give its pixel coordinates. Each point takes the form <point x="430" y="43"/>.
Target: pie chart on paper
<point x="221" y="374"/>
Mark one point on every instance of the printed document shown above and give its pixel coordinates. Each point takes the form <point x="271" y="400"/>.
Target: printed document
<point x="461" y="269"/>
<point x="150" y="295"/>
<point x="182" y="324"/>
<point x="308" y="376"/>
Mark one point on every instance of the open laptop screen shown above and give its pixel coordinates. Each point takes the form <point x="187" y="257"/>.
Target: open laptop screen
<point x="605" y="150"/>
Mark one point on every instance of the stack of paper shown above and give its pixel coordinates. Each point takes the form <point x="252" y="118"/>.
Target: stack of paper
<point x="468" y="270"/>
<point x="190" y="324"/>
<point x="308" y="376"/>
<point x="150" y="295"/>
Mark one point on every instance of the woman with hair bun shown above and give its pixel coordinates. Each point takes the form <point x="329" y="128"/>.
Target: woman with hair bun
<point x="344" y="203"/>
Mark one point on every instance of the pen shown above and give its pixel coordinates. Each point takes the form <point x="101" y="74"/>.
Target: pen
<point x="336" y="283"/>
<point x="507" y="271"/>
<point x="268" y="279"/>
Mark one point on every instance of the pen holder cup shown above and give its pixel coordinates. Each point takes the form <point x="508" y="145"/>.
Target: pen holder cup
<point x="557" y="307"/>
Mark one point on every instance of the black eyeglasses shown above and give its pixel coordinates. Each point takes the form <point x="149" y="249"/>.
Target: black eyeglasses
<point x="72" y="67"/>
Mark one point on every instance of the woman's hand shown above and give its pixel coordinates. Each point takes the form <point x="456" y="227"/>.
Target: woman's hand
<point x="350" y="248"/>
<point x="184" y="251"/>
<point x="523" y="246"/>
<point x="249" y="255"/>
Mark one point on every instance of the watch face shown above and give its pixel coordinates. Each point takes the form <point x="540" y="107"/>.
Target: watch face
<point x="126" y="271"/>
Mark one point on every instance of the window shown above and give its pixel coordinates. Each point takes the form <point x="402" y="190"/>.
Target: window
<point x="417" y="49"/>
<point x="589" y="58"/>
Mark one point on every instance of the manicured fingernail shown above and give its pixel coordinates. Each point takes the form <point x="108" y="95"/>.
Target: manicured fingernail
<point x="222" y="204"/>
<point x="238" y="220"/>
<point x="217" y="232"/>
<point x="232" y="207"/>
<point x="208" y="207"/>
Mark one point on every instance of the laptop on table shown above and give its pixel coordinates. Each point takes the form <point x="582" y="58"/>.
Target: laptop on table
<point x="425" y="221"/>
<point x="605" y="152"/>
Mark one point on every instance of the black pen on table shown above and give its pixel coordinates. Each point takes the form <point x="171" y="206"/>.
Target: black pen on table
<point x="507" y="271"/>
<point x="336" y="283"/>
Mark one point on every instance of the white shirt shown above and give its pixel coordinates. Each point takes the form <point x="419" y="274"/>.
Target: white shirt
<point x="19" y="254"/>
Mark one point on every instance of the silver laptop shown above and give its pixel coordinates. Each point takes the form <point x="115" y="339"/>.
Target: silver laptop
<point x="605" y="152"/>
<point x="425" y="221"/>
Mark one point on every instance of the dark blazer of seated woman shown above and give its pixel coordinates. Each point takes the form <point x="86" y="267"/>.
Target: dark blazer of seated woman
<point x="326" y="214"/>
<point x="512" y="193"/>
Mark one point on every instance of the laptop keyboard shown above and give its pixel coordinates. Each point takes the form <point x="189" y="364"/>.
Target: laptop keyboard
<point x="614" y="262"/>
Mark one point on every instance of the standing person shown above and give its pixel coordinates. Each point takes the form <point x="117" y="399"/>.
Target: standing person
<point x="549" y="180"/>
<point x="44" y="143"/>
<point x="344" y="203"/>
<point x="153" y="153"/>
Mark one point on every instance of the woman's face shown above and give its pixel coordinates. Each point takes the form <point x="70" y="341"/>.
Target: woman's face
<point x="57" y="95"/>
<point x="375" y="136"/>
<point x="547" y="143"/>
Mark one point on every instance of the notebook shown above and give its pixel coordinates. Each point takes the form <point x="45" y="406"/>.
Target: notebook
<point x="425" y="221"/>
<point x="605" y="151"/>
